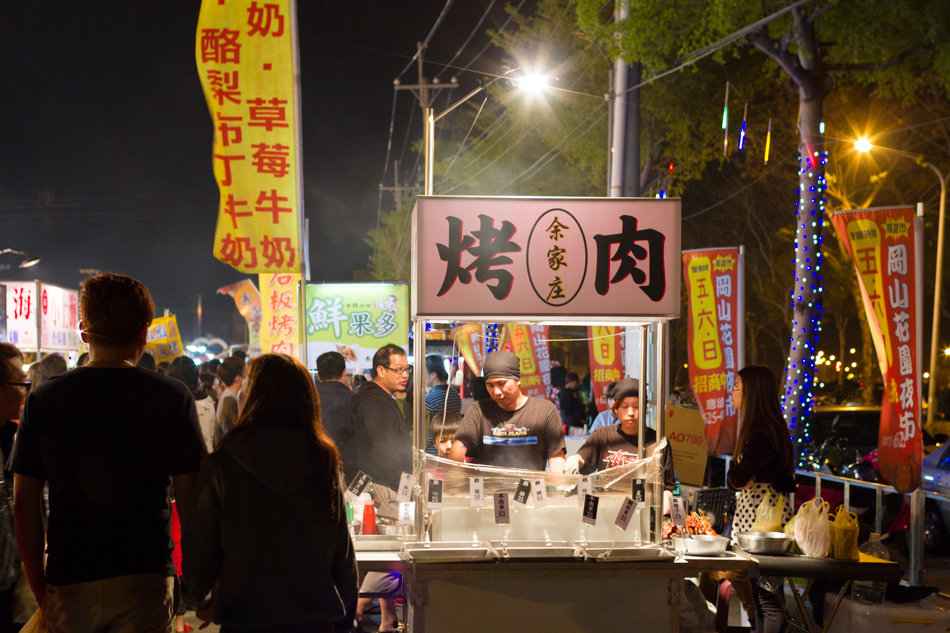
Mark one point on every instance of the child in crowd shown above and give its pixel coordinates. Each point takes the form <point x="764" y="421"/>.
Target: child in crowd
<point x="444" y="426"/>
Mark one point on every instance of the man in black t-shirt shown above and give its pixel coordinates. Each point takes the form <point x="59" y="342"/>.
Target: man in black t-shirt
<point x="512" y="429"/>
<point x="108" y="437"/>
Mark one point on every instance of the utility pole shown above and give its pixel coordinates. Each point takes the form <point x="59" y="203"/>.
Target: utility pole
<point x="396" y="189"/>
<point x="425" y="92"/>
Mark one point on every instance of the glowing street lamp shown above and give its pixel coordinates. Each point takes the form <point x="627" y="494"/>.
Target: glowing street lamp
<point x="863" y="145"/>
<point x="27" y="260"/>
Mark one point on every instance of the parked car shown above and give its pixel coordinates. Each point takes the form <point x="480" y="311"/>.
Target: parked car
<point x="935" y="477"/>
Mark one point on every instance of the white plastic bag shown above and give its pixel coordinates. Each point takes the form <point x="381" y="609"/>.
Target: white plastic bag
<point x="35" y="623"/>
<point x="812" y="529"/>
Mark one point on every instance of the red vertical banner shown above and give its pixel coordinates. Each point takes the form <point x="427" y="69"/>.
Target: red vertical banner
<point x="606" y="348"/>
<point x="521" y="341"/>
<point x="714" y="338"/>
<point x="470" y="339"/>
<point x="883" y="244"/>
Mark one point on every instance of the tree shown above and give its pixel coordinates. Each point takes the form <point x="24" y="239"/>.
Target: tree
<point x="816" y="46"/>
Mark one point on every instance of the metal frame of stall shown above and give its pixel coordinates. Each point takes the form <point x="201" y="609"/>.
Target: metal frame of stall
<point x="472" y="211"/>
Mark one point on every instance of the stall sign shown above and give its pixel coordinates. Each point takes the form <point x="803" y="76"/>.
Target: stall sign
<point x="163" y="340"/>
<point x="530" y="344"/>
<point x="280" y="321"/>
<point x="245" y="52"/>
<point x="685" y="433"/>
<point x="3" y="313"/>
<point x="606" y="347"/>
<point x="355" y="320"/>
<point x="22" y="311"/>
<point x="59" y="320"/>
<point x="471" y="343"/>
<point x="883" y="244"/>
<point x="248" y="301"/>
<point x="510" y="258"/>
<point x="712" y="281"/>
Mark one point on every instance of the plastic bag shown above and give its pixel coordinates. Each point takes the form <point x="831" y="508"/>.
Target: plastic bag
<point x="813" y="529"/>
<point x="35" y="623"/>
<point x="844" y="535"/>
<point x="768" y="517"/>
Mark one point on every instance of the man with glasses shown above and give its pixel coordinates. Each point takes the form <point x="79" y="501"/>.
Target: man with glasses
<point x="13" y="388"/>
<point x="13" y="384"/>
<point x="382" y="441"/>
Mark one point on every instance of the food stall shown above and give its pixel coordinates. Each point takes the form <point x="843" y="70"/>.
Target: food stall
<point x="484" y="547"/>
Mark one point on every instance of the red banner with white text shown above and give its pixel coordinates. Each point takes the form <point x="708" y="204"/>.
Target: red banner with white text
<point x="606" y="348"/>
<point x="883" y="243"/>
<point x="712" y="279"/>
<point x="530" y="344"/>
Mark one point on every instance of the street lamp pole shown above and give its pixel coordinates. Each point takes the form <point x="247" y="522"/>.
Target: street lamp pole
<point x="935" y="338"/>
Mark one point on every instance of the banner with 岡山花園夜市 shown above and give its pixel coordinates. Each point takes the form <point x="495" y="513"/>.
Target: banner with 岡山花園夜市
<point x="245" y="55"/>
<point x="714" y="334"/>
<point x="884" y="246"/>
<point x="470" y="339"/>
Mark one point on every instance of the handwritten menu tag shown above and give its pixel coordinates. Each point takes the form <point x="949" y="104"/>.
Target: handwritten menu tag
<point x="539" y="492"/>
<point x="407" y="513"/>
<point x="590" y="509"/>
<point x="639" y="487"/>
<point x="406" y="480"/>
<point x="477" y="487"/>
<point x="359" y="484"/>
<point x="502" y="511"/>
<point x="583" y="488"/>
<point x="626" y="511"/>
<point x="435" y="494"/>
<point x="677" y="512"/>
<point x="522" y="494"/>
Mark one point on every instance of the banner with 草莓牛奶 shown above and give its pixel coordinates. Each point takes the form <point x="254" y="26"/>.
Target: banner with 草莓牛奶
<point x="245" y="55"/>
<point x="714" y="336"/>
<point x="884" y="245"/>
<point x="355" y="320"/>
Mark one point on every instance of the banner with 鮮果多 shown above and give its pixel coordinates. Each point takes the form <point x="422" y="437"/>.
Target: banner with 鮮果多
<point x="883" y="244"/>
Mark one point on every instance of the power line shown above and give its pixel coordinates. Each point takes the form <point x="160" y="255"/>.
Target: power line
<point x="470" y="36"/>
<point x="435" y="27"/>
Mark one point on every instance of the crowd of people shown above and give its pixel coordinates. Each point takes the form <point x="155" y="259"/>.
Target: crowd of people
<point x="257" y="455"/>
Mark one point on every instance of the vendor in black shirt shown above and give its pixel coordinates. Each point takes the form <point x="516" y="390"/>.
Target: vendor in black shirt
<point x="616" y="445"/>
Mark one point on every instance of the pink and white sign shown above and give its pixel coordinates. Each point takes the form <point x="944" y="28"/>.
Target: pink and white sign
<point x="22" y="323"/>
<point x="59" y="318"/>
<point x="546" y="257"/>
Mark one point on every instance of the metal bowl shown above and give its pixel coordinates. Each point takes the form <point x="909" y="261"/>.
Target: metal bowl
<point x="771" y="543"/>
<point x="702" y="544"/>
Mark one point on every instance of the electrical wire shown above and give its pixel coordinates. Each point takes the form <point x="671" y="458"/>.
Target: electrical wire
<point x="470" y="36"/>
<point x="462" y="144"/>
<point x="435" y="27"/>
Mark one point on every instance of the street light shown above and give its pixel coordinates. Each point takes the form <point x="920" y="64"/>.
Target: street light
<point x="27" y="260"/>
<point x="528" y="82"/>
<point x="863" y="145"/>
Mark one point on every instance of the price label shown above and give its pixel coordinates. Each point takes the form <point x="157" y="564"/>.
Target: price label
<point x="435" y="494"/>
<point x="583" y="488"/>
<point x="502" y="511"/>
<point x="677" y="512"/>
<point x="476" y="486"/>
<point x="626" y="511"/>
<point x="539" y="493"/>
<point x="406" y="481"/>
<point x="359" y="484"/>
<point x="522" y="494"/>
<point x="407" y="513"/>
<point x="639" y="487"/>
<point x="590" y="509"/>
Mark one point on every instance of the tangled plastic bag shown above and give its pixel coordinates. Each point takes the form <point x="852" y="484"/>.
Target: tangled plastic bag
<point x="844" y="535"/>
<point x="768" y="516"/>
<point x="812" y="528"/>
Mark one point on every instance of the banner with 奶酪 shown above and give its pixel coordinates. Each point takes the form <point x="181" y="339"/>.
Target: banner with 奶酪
<point x="715" y="328"/>
<point x="884" y="244"/>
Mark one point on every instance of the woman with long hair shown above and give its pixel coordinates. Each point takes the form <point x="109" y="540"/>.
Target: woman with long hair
<point x="269" y="521"/>
<point x="762" y="463"/>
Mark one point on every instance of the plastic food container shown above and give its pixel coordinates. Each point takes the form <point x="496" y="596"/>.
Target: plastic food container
<point x="769" y="543"/>
<point x="702" y="544"/>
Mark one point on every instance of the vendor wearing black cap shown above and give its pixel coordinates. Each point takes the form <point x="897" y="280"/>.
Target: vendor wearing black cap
<point x="616" y="445"/>
<point x="511" y="429"/>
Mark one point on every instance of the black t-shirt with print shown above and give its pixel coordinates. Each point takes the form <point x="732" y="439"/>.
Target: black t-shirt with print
<point x="608" y="446"/>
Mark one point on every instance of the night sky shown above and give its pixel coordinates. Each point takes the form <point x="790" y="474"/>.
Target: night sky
<point x="105" y="137"/>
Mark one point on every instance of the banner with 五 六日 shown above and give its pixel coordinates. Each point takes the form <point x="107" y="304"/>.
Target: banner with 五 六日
<point x="714" y="339"/>
<point x="245" y="53"/>
<point x="280" y="326"/>
<point x="471" y="343"/>
<point x="530" y="344"/>
<point x="606" y="348"/>
<point x="884" y="245"/>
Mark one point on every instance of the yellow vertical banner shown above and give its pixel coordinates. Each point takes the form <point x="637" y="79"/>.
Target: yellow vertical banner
<point x="245" y="52"/>
<point x="280" y="320"/>
<point x="163" y="340"/>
